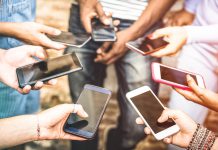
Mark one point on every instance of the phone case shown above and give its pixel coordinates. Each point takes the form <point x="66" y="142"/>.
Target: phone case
<point x="183" y="87"/>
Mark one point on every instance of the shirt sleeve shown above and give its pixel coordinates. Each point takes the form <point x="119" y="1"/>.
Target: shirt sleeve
<point x="191" y="5"/>
<point x="202" y="34"/>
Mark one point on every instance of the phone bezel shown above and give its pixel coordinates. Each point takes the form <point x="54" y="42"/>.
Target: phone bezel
<point x="162" y="134"/>
<point x="69" y="44"/>
<point x="21" y="78"/>
<point x="83" y="133"/>
<point x="156" y="76"/>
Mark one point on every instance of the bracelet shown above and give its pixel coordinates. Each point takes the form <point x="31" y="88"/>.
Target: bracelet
<point x="203" y="139"/>
<point x="38" y="128"/>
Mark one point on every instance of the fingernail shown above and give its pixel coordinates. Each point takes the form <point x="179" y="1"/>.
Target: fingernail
<point x="99" y="51"/>
<point x="57" y="32"/>
<point x="188" y="77"/>
<point x="107" y="21"/>
<point x="85" y="114"/>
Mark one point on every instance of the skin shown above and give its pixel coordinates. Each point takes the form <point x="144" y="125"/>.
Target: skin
<point x="22" y="129"/>
<point x="199" y="95"/>
<point x="186" y="124"/>
<point x="31" y="33"/>
<point x="17" y="57"/>
<point x="149" y="16"/>
<point x="176" y="36"/>
<point x="179" y="18"/>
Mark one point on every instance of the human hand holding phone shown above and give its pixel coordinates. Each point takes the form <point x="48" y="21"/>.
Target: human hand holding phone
<point x="200" y="95"/>
<point x="16" y="57"/>
<point x="176" y="36"/>
<point x="186" y="124"/>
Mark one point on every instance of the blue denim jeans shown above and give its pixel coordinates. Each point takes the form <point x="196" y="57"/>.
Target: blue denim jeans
<point x="13" y="103"/>
<point x="133" y="71"/>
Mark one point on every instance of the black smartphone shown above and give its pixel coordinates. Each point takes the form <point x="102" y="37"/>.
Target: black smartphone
<point x="94" y="101"/>
<point x="71" y="39"/>
<point x="48" y="69"/>
<point x="148" y="45"/>
<point x="101" y="32"/>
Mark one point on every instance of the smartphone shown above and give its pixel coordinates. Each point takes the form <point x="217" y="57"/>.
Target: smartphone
<point x="101" y="32"/>
<point x="94" y="101"/>
<point x="71" y="39"/>
<point x="149" y="108"/>
<point x="174" y="77"/>
<point x="48" y="69"/>
<point x="148" y="45"/>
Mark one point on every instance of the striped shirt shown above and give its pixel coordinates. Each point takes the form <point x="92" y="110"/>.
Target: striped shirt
<point x="124" y="9"/>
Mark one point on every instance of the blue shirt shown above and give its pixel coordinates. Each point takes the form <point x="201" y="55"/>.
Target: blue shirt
<point x="13" y="103"/>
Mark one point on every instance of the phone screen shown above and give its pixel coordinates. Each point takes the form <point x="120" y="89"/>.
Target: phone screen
<point x="101" y="32"/>
<point x="71" y="38"/>
<point x="152" y="44"/>
<point x="175" y="75"/>
<point x="94" y="103"/>
<point x="151" y="110"/>
<point x="45" y="69"/>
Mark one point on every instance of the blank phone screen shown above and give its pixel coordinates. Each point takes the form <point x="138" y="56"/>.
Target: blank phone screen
<point x="52" y="67"/>
<point x="101" y="31"/>
<point x="152" y="44"/>
<point x="175" y="75"/>
<point x="151" y="110"/>
<point x="93" y="103"/>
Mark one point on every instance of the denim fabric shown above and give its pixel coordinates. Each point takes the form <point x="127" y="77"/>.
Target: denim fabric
<point x="13" y="103"/>
<point x="133" y="71"/>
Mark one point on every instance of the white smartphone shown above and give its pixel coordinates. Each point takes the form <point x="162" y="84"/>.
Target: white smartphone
<point x="174" y="77"/>
<point x="149" y="108"/>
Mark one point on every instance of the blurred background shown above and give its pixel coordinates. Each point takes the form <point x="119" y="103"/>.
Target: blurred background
<point x="56" y="13"/>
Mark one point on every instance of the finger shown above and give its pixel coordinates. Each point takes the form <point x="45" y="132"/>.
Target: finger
<point x="112" y="59"/>
<point x="78" y="109"/>
<point x="52" y="82"/>
<point x="36" y="51"/>
<point x="192" y="84"/>
<point x="72" y="137"/>
<point x="168" y="140"/>
<point x="46" y="42"/>
<point x="147" y="130"/>
<point x="139" y="121"/>
<point x="101" y="14"/>
<point x="49" y="30"/>
<point x="170" y="49"/>
<point x="116" y="22"/>
<point x="86" y="21"/>
<point x="161" y="32"/>
<point x="25" y="90"/>
<point x="104" y="47"/>
<point x="166" y="114"/>
<point x="106" y="57"/>
<point x="38" y="85"/>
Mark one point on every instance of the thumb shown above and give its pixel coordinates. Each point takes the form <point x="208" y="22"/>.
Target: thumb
<point x="102" y="16"/>
<point x="161" y="33"/>
<point x="36" y="51"/>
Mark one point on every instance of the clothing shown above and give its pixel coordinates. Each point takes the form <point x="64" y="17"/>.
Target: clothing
<point x="200" y="55"/>
<point x="13" y="103"/>
<point x="191" y="5"/>
<point x="133" y="71"/>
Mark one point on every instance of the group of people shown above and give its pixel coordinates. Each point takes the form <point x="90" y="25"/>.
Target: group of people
<point x="197" y="44"/>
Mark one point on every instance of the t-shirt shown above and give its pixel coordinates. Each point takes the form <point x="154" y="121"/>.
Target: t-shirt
<point x="123" y="9"/>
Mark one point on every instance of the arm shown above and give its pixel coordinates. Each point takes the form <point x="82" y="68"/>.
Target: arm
<point x="22" y="129"/>
<point x="154" y="11"/>
<point x="202" y="34"/>
<point x="31" y="33"/>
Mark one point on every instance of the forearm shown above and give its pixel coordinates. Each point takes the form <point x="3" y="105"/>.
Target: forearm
<point x="17" y="130"/>
<point x="202" y="34"/>
<point x="8" y="29"/>
<point x="155" y="10"/>
<point x="215" y="145"/>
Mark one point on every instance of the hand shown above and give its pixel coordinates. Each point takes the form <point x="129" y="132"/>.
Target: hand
<point x="176" y="36"/>
<point x="17" y="57"/>
<point x="199" y="95"/>
<point x="212" y="121"/>
<point x="51" y="121"/>
<point x="35" y="34"/>
<point x="179" y="18"/>
<point x="186" y="124"/>
<point x="90" y="9"/>
<point x="118" y="48"/>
